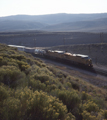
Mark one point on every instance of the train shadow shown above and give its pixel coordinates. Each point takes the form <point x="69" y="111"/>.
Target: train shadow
<point x="80" y="66"/>
<point x="69" y="63"/>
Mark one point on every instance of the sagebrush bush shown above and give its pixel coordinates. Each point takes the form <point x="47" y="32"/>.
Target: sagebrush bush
<point x="11" y="109"/>
<point x="85" y="96"/>
<point x="37" y="105"/>
<point x="42" y="77"/>
<point x="4" y="93"/>
<point x="70" y="98"/>
<point x="90" y="106"/>
<point x="47" y="107"/>
<point x="90" y="116"/>
<point x="37" y="85"/>
<point x="105" y="114"/>
<point x="11" y="76"/>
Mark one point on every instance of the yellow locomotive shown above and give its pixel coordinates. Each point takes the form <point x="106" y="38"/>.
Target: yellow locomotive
<point x="68" y="57"/>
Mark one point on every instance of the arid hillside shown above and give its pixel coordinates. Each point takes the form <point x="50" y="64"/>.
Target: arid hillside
<point x="48" y="39"/>
<point x="33" y="90"/>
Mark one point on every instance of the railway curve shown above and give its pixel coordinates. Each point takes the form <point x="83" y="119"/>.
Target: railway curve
<point x="96" y="76"/>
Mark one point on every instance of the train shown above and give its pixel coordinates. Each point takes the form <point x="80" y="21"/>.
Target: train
<point x="76" y="59"/>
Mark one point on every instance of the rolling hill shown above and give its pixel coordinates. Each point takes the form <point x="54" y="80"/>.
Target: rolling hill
<point x="97" y="25"/>
<point x="56" y="22"/>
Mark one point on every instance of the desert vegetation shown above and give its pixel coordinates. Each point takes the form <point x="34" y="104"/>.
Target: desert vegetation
<point x="31" y="90"/>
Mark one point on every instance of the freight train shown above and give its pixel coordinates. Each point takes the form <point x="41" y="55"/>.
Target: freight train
<point x="77" y="59"/>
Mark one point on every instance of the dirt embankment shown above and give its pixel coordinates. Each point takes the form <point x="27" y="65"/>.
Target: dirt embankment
<point x="98" y="52"/>
<point x="48" y="39"/>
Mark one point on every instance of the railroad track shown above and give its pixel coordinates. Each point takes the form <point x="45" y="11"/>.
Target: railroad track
<point x="101" y="72"/>
<point x="94" y="70"/>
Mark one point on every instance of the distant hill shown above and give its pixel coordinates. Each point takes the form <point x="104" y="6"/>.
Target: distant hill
<point x="98" y="25"/>
<point x="12" y="25"/>
<point x="56" y="22"/>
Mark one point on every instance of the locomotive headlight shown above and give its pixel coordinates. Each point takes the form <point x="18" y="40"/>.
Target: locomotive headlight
<point x="89" y="59"/>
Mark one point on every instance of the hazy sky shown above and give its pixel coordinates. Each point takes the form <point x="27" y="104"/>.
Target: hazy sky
<point x="40" y="7"/>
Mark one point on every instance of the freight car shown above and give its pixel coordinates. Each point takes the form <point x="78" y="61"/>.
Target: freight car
<point x="78" y="59"/>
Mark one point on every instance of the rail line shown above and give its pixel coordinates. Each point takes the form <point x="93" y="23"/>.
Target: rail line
<point x="101" y="72"/>
<point x="93" y="70"/>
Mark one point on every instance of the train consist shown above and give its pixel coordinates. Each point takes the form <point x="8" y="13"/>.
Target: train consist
<point x="78" y="59"/>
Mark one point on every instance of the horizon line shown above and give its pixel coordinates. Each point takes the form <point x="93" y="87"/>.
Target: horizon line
<point x="51" y="14"/>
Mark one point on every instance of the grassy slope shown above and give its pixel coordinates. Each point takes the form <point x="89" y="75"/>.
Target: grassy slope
<point x="31" y="90"/>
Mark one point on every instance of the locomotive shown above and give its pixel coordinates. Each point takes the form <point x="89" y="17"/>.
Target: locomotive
<point x="78" y="59"/>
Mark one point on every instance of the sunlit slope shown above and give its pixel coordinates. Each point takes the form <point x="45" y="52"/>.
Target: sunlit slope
<point x="29" y="89"/>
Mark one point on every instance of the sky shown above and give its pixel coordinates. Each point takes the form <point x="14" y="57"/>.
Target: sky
<point x="41" y="7"/>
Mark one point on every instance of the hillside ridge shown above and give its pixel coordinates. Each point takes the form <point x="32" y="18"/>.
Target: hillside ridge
<point x="55" y="22"/>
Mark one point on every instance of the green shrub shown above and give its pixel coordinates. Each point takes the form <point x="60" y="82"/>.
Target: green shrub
<point x="18" y="57"/>
<point x="37" y="85"/>
<point x="70" y="116"/>
<point x="39" y="63"/>
<point x="11" y="109"/>
<point x="70" y="98"/>
<point x="105" y="114"/>
<point x="90" y="106"/>
<point x="12" y="62"/>
<point x="40" y="106"/>
<point x="75" y="85"/>
<point x="4" y="94"/>
<point x="99" y="101"/>
<point x="44" y="107"/>
<point x="51" y="87"/>
<point x="90" y="116"/>
<point x="3" y="61"/>
<point x="23" y="65"/>
<point x="1" y="58"/>
<point x="42" y="77"/>
<point x="11" y="76"/>
<point x="85" y="96"/>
